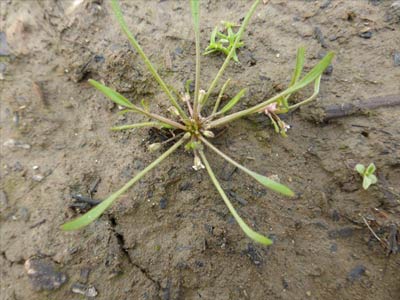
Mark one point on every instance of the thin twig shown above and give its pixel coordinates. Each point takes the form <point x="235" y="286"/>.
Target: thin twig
<point x="373" y="232"/>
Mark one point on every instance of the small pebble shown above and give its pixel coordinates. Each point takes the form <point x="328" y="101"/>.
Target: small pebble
<point x="82" y="289"/>
<point x="4" y="51"/>
<point x="163" y="203"/>
<point x="35" y="167"/>
<point x="396" y="58"/>
<point x="16" y="144"/>
<point x="37" y="177"/>
<point x="366" y="34"/>
<point x="22" y="214"/>
<point x="356" y="273"/>
<point x="43" y="275"/>
<point x="344" y="232"/>
<point x="325" y="4"/>
<point x="3" y="199"/>
<point x="308" y="293"/>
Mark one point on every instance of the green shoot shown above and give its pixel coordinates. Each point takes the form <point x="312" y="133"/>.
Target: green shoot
<point x="367" y="174"/>
<point x="233" y="49"/>
<point x="220" y="42"/>
<point x="197" y="129"/>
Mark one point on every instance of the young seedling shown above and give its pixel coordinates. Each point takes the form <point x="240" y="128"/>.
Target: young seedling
<point x="367" y="174"/>
<point x="192" y="129"/>
<point x="220" y="42"/>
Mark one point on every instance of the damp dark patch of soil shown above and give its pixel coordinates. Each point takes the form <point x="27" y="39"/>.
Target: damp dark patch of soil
<point x="170" y="236"/>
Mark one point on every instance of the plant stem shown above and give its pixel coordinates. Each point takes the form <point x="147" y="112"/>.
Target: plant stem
<point x="149" y="65"/>
<point x="137" y="125"/>
<point x="195" y="13"/>
<point x="221" y="93"/>
<point x="231" y="53"/>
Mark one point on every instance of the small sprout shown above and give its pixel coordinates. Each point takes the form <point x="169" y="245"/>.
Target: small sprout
<point x="224" y="43"/>
<point x="367" y="174"/>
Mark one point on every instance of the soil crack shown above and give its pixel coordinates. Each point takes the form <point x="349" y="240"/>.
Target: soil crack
<point x="121" y="243"/>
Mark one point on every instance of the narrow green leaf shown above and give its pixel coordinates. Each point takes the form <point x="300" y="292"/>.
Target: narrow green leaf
<point x="233" y="101"/>
<point x="195" y="12"/>
<point x="314" y="73"/>
<point x="255" y="236"/>
<point x="299" y="65"/>
<point x="265" y="181"/>
<point x="118" y="14"/>
<point x="113" y="95"/>
<point x="213" y="35"/>
<point x="221" y="93"/>
<point x="271" y="184"/>
<point x="96" y="211"/>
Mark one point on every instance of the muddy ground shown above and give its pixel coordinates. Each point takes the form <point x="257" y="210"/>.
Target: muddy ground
<point x="171" y="236"/>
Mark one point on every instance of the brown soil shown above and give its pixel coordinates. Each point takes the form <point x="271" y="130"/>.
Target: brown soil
<point x="192" y="248"/>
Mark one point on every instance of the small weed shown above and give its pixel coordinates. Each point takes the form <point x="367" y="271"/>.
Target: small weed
<point x="194" y="130"/>
<point x="367" y="174"/>
<point x="220" y="42"/>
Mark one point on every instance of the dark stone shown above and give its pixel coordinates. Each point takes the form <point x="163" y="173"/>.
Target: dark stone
<point x="328" y="70"/>
<point x="185" y="186"/>
<point x="3" y="199"/>
<point x="356" y="273"/>
<point x="335" y="216"/>
<point x="285" y="284"/>
<point x="319" y="36"/>
<point x="4" y="51"/>
<point x="325" y="4"/>
<point x="99" y="58"/>
<point x="163" y="203"/>
<point x="3" y="68"/>
<point x="178" y="51"/>
<point x="227" y="171"/>
<point x="84" y="275"/>
<point x="333" y="248"/>
<point x="43" y="275"/>
<point x="237" y="198"/>
<point x="344" y="232"/>
<point x="333" y="37"/>
<point x="199" y="263"/>
<point x="396" y="58"/>
<point x="253" y="254"/>
<point x="366" y="34"/>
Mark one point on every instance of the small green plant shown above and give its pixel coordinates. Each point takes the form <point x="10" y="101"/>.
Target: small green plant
<point x="367" y="174"/>
<point x="220" y="42"/>
<point x="194" y="130"/>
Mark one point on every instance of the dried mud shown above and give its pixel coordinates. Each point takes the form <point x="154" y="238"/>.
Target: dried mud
<point x="171" y="236"/>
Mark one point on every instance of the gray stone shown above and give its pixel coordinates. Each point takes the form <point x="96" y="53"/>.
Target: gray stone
<point x="43" y="274"/>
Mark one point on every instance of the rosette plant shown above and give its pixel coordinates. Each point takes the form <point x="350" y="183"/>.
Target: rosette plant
<point x="194" y="130"/>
